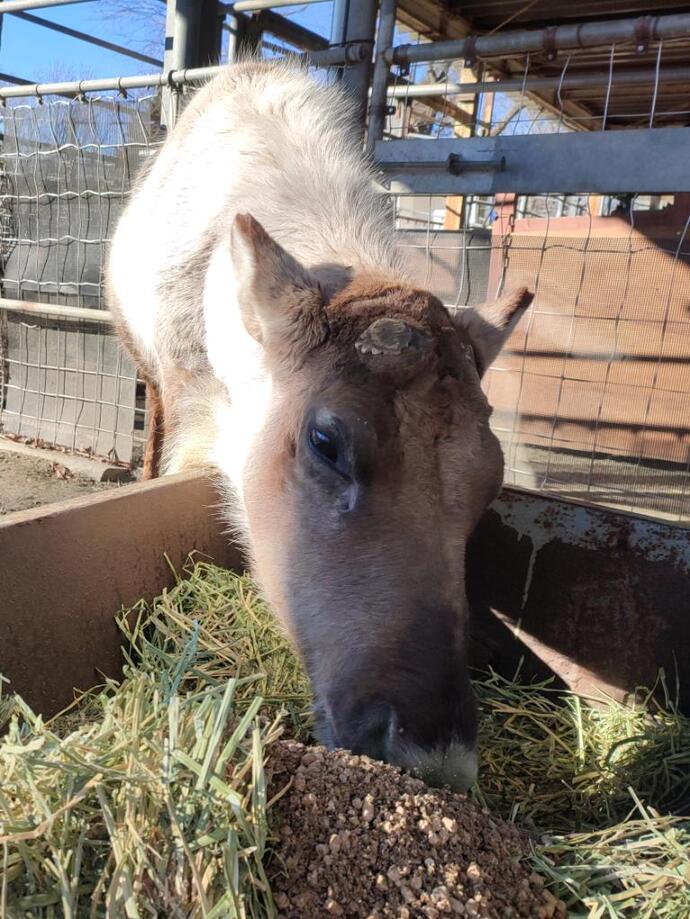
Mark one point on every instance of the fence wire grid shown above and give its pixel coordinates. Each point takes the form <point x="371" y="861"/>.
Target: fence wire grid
<point x="67" y="166"/>
<point x="590" y="395"/>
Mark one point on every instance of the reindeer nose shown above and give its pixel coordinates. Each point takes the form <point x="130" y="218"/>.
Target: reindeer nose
<point x="379" y="736"/>
<point x="373" y="730"/>
<point x="371" y="733"/>
<point x="453" y="764"/>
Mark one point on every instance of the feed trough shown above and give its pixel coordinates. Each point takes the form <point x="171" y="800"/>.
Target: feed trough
<point x="565" y="791"/>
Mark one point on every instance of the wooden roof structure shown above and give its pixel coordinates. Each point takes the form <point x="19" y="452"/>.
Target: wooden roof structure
<point x="626" y="80"/>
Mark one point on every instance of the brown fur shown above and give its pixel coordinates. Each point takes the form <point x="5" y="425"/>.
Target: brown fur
<point x="355" y="474"/>
<point x="153" y="449"/>
<point x="432" y="471"/>
<point x="154" y="440"/>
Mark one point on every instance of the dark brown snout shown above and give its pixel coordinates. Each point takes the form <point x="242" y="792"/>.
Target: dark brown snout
<point x="415" y="710"/>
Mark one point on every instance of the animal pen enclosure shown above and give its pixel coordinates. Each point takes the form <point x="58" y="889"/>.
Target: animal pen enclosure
<point x="571" y="179"/>
<point x="543" y="144"/>
<point x="538" y="143"/>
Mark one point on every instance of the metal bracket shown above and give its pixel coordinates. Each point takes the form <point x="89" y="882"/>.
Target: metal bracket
<point x="549" y="43"/>
<point x="357" y="51"/>
<point x="540" y="164"/>
<point x="643" y="33"/>
<point x="455" y="164"/>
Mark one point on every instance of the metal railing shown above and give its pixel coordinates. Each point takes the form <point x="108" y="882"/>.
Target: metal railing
<point x="590" y="396"/>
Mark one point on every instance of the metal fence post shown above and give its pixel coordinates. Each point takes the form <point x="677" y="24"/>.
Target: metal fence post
<point x="245" y="34"/>
<point x="360" y="28"/>
<point x="378" y="102"/>
<point x="192" y="39"/>
<point x="209" y="33"/>
<point x="338" y="22"/>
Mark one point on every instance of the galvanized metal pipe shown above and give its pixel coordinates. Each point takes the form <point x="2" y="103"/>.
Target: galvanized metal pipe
<point x="179" y="53"/>
<point x="339" y="21"/>
<point x="233" y="26"/>
<point x="522" y="41"/>
<point x="328" y="57"/>
<point x="628" y="77"/>
<point x="20" y="82"/>
<point x="360" y="28"/>
<point x="181" y="34"/>
<point x="58" y="310"/>
<point x="13" y="6"/>
<point x="252" y="6"/>
<point x="377" y="101"/>
<point x="356" y="53"/>
<point x="77" y="87"/>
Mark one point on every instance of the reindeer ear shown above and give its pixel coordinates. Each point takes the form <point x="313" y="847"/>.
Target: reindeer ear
<point x="489" y="325"/>
<point x="280" y="303"/>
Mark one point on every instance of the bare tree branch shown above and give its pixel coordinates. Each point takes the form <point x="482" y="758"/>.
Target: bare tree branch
<point x="139" y="25"/>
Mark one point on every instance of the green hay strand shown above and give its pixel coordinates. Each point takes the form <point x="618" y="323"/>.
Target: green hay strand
<point x="148" y="797"/>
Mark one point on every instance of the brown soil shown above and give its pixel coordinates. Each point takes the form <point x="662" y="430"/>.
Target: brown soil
<point x="361" y="839"/>
<point x="27" y="482"/>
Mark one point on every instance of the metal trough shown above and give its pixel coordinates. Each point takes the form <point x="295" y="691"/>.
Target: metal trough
<point x="596" y="597"/>
<point x="599" y="598"/>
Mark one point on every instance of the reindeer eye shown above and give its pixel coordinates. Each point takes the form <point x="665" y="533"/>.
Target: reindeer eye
<point x="324" y="445"/>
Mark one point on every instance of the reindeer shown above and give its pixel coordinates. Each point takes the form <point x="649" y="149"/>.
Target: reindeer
<point x="255" y="280"/>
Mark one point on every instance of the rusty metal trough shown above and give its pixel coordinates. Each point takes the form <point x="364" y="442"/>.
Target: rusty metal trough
<point x="600" y="599"/>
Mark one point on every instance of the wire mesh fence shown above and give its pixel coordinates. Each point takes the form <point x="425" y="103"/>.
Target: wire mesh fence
<point x="66" y="168"/>
<point x="67" y="165"/>
<point x="590" y="395"/>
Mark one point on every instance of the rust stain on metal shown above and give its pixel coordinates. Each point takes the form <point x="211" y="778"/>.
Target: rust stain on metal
<point x="598" y="598"/>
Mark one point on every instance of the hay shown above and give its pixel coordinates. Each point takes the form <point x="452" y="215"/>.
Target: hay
<point x="597" y="787"/>
<point x="236" y="636"/>
<point x="148" y="797"/>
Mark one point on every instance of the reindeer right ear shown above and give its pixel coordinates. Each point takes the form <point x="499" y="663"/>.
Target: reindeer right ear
<point x="280" y="303"/>
<point x="490" y="324"/>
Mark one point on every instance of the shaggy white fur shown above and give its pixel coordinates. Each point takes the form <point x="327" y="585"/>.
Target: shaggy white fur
<point x="263" y="138"/>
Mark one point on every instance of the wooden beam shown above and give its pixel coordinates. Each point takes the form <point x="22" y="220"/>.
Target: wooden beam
<point x="455" y="204"/>
<point x="433" y="20"/>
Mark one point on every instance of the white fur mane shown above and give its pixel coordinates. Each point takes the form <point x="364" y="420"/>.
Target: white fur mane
<point x="263" y="138"/>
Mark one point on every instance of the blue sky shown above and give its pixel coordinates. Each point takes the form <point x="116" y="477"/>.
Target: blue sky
<point x="37" y="54"/>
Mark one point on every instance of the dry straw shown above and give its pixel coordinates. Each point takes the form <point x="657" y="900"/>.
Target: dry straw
<point x="148" y="797"/>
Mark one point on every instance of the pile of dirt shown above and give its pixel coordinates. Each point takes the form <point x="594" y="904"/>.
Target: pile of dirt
<point x="361" y="839"/>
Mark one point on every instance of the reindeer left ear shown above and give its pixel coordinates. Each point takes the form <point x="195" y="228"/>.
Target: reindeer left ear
<point x="280" y="303"/>
<point x="489" y="325"/>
